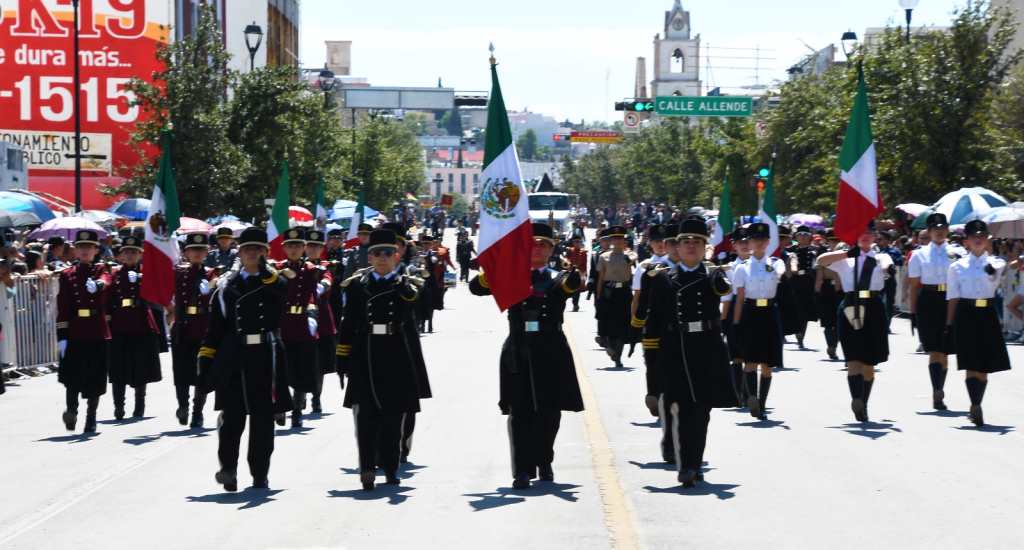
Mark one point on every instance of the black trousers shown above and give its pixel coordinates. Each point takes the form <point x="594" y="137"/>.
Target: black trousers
<point x="690" y="433"/>
<point x="532" y="437"/>
<point x="408" y="427"/>
<point x="464" y="271"/>
<point x="378" y="436"/>
<point x="576" y="299"/>
<point x="668" y="431"/>
<point x="261" y="441"/>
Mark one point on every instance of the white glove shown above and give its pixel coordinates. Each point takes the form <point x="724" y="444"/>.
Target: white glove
<point x="90" y="285"/>
<point x="321" y="288"/>
<point x="204" y="287"/>
<point x="722" y="255"/>
<point x="62" y="346"/>
<point x="133" y="277"/>
<point x="312" y="326"/>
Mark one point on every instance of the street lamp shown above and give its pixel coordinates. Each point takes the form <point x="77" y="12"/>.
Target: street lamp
<point x="908" y="6"/>
<point x="326" y="82"/>
<point x="253" y="39"/>
<point x="438" y="180"/>
<point x="848" y="41"/>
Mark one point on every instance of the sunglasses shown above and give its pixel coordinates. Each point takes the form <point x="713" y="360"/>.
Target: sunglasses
<point x="386" y="252"/>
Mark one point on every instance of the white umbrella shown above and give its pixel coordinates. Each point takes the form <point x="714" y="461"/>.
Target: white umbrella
<point x="1006" y="222"/>
<point x="968" y="203"/>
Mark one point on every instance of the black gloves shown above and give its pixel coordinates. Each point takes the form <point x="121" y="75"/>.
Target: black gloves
<point x="989" y="269"/>
<point x="853" y="252"/>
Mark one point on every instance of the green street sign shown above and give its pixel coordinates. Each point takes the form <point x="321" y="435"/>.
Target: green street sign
<point x="704" y="106"/>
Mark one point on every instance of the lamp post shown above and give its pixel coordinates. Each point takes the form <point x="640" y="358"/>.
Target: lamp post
<point x="76" y="95"/>
<point x="908" y="7"/>
<point x="848" y="41"/>
<point x="253" y="39"/>
<point x="326" y="82"/>
<point x="438" y="180"/>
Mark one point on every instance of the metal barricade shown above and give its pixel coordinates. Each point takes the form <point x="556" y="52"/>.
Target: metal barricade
<point x="35" y="321"/>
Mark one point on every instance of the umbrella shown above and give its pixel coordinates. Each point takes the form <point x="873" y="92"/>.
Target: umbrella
<point x="300" y="214"/>
<point x="14" y="218"/>
<point x="962" y="206"/>
<point x="911" y="208"/>
<point x="192" y="225"/>
<point x="810" y="220"/>
<point x="344" y="209"/>
<point x="1006" y="222"/>
<point x="133" y="209"/>
<point x="66" y="227"/>
<point x="101" y="217"/>
<point x="25" y="202"/>
<point x="235" y="226"/>
<point x="221" y="219"/>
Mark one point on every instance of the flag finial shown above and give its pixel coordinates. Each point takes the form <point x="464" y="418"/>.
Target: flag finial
<point x="490" y="48"/>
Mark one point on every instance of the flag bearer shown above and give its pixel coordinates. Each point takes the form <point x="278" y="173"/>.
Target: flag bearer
<point x="134" y="343"/>
<point x="242" y="350"/>
<point x="82" y="331"/>
<point x="538" y="376"/>
<point x="192" y="286"/>
<point x="614" y="276"/>
<point x="971" y="316"/>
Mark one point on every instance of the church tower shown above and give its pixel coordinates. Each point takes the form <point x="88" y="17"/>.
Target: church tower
<point x="676" y="56"/>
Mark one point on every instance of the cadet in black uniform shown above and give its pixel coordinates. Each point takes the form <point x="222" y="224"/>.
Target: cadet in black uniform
<point x="740" y="254"/>
<point x="224" y="256"/>
<point x="538" y="377"/>
<point x="243" y="349"/>
<point x="682" y="307"/>
<point x="355" y="258"/>
<point x="828" y="293"/>
<point x="614" y="281"/>
<point x="381" y="356"/>
<point x="802" y="279"/>
<point x="971" y="317"/>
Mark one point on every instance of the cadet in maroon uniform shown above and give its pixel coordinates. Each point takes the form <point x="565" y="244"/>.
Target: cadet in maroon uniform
<point x="192" y="286"/>
<point x="326" y="329"/>
<point x="134" y="336"/>
<point x="82" y="330"/>
<point x="299" y="326"/>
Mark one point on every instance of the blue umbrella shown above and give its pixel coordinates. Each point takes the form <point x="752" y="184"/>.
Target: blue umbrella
<point x="344" y="210"/>
<point x="133" y="209"/>
<point x="24" y="202"/>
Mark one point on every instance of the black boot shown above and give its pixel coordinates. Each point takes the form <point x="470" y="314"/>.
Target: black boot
<point x="140" y="402"/>
<point x="430" y="326"/>
<point x="856" y="384"/>
<point x="766" y="384"/>
<point x="938" y="376"/>
<point x="228" y="479"/>
<point x="198" y="401"/>
<point x="90" y="415"/>
<point x="736" y="377"/>
<point x="317" y="408"/>
<point x="182" y="412"/>
<point x="831" y="340"/>
<point x="368" y="479"/>
<point x="800" y="339"/>
<point x="70" y="416"/>
<point x="750" y="381"/>
<point x="868" y="384"/>
<point x="118" y="390"/>
<point x="976" y="391"/>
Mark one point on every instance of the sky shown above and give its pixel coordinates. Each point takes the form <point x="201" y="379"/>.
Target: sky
<point x="574" y="58"/>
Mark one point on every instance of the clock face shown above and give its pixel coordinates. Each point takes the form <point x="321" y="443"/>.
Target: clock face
<point x="677" y="24"/>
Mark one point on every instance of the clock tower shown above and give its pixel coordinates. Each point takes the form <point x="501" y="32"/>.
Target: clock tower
<point x="676" y="56"/>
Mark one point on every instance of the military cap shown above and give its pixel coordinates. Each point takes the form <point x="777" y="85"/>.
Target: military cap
<point x="55" y="240"/>
<point x="976" y="227"/>
<point x="197" y="240"/>
<point x="383" y="238"/>
<point x="615" y="231"/>
<point x="295" y="235"/>
<point x="335" y="234"/>
<point x="656" y="232"/>
<point x="803" y="230"/>
<point x="758" y="231"/>
<point x="937" y="220"/>
<point x="87" y="236"/>
<point x="785" y="231"/>
<point x="131" y="242"/>
<point x="543" y="232"/>
<point x="398" y="229"/>
<point x="253" y="236"/>
<point x="671" y="232"/>
<point x="225" y="232"/>
<point x="739" y="234"/>
<point x="314" y="236"/>
<point x="693" y="227"/>
<point x="364" y="228"/>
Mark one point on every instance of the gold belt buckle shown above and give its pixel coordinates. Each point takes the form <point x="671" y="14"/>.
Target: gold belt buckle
<point x="253" y="339"/>
<point x="762" y="302"/>
<point x="84" y="312"/>
<point x="127" y="302"/>
<point x="192" y="310"/>
<point x="311" y="307"/>
<point x="295" y="310"/>
<point x="941" y="288"/>
<point x="864" y="294"/>
<point x="981" y="303"/>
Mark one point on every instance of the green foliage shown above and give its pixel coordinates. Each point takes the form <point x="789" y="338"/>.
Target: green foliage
<point x="389" y="161"/>
<point x="527" y="145"/>
<point x="460" y="207"/>
<point x="452" y="122"/>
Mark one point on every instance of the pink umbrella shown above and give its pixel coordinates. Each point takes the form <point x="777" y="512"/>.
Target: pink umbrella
<point x="236" y="227"/>
<point x="66" y="227"/>
<point x="299" y="214"/>
<point x="192" y="225"/>
<point x="911" y="208"/>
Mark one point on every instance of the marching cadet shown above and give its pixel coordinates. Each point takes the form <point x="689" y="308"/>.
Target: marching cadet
<point x="464" y="255"/>
<point x="82" y="331"/>
<point x="379" y="354"/>
<point x="538" y="376"/>
<point x="134" y="337"/>
<point x="861" y="321"/>
<point x="659" y="257"/>
<point x="356" y="258"/>
<point x="325" y="320"/>
<point x="926" y="274"/>
<point x="600" y="246"/>
<point x="334" y="251"/>
<point x="425" y="302"/>
<point x="576" y="254"/>
<point x="756" y="317"/>
<point x="828" y="294"/>
<point x="242" y="350"/>
<point x="191" y="320"/>
<point x="614" y="275"/>
<point x="224" y="256"/>
<point x="682" y="310"/>
<point x="299" y="326"/>
<point x="971" y="317"/>
<point x="802" y="278"/>
<point x="741" y="251"/>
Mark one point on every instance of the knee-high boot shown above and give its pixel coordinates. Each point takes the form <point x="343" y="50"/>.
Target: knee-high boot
<point x="938" y="376"/>
<point x="140" y="401"/>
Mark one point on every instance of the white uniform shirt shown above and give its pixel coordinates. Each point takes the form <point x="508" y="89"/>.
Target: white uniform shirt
<point x="967" y="278"/>
<point x="848" y="275"/>
<point x="731" y="270"/>
<point x="931" y="263"/>
<point x="638" y="273"/>
<point x="756" y="279"/>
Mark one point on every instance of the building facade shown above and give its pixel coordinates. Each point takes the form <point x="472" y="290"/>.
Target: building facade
<point x="278" y="20"/>
<point x="676" y="56"/>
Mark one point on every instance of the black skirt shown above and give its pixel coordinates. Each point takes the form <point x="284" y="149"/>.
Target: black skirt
<point x="134" y="359"/>
<point x="870" y="344"/>
<point x="828" y="304"/>
<point x="979" y="338"/>
<point x="615" y="312"/>
<point x="84" y="367"/>
<point x="760" y="332"/>
<point x="931" y="322"/>
<point x="303" y="366"/>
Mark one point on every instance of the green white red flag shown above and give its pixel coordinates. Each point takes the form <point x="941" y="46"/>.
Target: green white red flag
<point x="320" y="205"/>
<point x="352" y="239"/>
<point x="720" y="237"/>
<point x="859" y="198"/>
<point x="279" y="215"/>
<point x="160" y="248"/>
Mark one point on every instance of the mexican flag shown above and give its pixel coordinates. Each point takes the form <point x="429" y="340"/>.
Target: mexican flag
<point x="279" y="215"/>
<point x="859" y="200"/>
<point x="506" y="236"/>
<point x="720" y="238"/>
<point x="352" y="238"/>
<point x="320" y="207"/>
<point x="160" y="248"/>
<point x="766" y="213"/>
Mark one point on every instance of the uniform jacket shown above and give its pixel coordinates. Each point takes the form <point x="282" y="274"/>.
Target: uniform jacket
<point x="128" y="313"/>
<point x="300" y="302"/>
<point x="191" y="308"/>
<point x="81" y="315"/>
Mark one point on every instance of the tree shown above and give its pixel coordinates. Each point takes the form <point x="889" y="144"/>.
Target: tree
<point x="527" y="145"/>
<point x="452" y="122"/>
<point x="460" y="207"/>
<point x="187" y="95"/>
<point x="389" y="161"/>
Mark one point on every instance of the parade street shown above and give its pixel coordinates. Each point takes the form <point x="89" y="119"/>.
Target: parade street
<point x="809" y="476"/>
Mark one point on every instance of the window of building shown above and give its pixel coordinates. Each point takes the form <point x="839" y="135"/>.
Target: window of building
<point x="476" y="178"/>
<point x="451" y="187"/>
<point x="462" y="184"/>
<point x="437" y="188"/>
<point x="678" y="62"/>
<point x="451" y="177"/>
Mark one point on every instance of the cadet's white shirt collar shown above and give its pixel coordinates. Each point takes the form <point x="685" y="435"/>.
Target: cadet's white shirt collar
<point x="378" y="276"/>
<point x="684" y="267"/>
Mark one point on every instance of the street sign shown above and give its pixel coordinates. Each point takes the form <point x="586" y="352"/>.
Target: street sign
<point x="721" y="106"/>
<point x="630" y="122"/>
<point x="595" y="136"/>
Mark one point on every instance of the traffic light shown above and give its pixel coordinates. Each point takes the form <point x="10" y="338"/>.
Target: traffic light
<point x="760" y="181"/>
<point x="638" y="105"/>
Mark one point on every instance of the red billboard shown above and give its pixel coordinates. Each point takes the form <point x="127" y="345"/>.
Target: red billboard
<point x="118" y="40"/>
